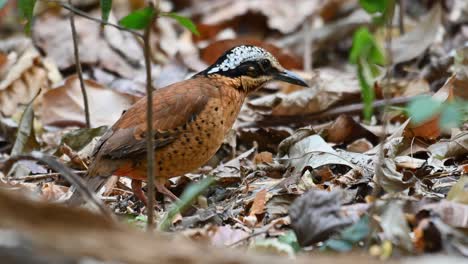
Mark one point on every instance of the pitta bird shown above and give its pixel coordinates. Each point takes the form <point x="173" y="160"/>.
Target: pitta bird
<point x="190" y="120"/>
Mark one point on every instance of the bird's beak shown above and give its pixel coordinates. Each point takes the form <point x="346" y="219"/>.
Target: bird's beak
<point x="290" y="77"/>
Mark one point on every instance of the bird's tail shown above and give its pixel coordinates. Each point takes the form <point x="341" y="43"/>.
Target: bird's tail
<point x="94" y="183"/>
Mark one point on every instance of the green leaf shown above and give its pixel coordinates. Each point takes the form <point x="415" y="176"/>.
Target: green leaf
<point x="374" y="6"/>
<point x="348" y="237"/>
<point x="106" y="6"/>
<point x="79" y="138"/>
<point x="138" y="19"/>
<point x="184" y="21"/>
<point x="423" y="108"/>
<point x="367" y="91"/>
<point x="187" y="198"/>
<point x="25" y="11"/>
<point x="2" y="3"/>
<point x="25" y="137"/>
<point x="290" y="239"/>
<point x="451" y="115"/>
<point x="338" y="245"/>
<point x="366" y="47"/>
<point x="358" y="231"/>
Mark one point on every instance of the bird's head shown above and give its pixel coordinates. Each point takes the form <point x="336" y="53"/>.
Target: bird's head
<point x="251" y="67"/>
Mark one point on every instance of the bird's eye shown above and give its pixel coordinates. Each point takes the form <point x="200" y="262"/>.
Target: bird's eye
<point x="265" y="63"/>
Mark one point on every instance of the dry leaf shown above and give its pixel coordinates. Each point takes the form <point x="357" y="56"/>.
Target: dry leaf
<point x="63" y="105"/>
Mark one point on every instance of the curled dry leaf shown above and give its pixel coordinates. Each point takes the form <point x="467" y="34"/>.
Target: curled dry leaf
<point x="316" y="215"/>
<point x="21" y="77"/>
<point x="390" y="179"/>
<point x="63" y="105"/>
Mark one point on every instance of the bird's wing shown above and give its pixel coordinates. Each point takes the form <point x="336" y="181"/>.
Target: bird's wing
<point x="173" y="108"/>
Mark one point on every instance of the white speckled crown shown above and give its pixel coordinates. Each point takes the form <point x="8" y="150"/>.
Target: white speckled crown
<point x="241" y="54"/>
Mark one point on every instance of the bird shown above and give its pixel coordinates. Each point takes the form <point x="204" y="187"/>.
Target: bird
<point x="190" y="121"/>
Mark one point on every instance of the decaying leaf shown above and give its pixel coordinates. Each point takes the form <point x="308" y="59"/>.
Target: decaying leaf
<point x="316" y="216"/>
<point x="390" y="179"/>
<point x="395" y="227"/>
<point x="22" y="76"/>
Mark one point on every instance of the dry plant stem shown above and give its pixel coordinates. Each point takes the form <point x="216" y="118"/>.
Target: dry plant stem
<point x="83" y="14"/>
<point x="307" y="29"/>
<point x="149" y="124"/>
<point x="78" y="68"/>
<point x="401" y="16"/>
<point x="385" y="93"/>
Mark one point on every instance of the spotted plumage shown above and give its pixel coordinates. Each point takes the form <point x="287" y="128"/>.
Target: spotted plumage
<point x="190" y="119"/>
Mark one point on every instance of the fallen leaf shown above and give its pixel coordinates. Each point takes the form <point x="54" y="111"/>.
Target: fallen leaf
<point x="395" y="227"/>
<point x="459" y="191"/>
<point x="415" y="42"/>
<point x="345" y="129"/>
<point x="390" y="179"/>
<point x="315" y="216"/>
<point x="452" y="213"/>
<point x="258" y="206"/>
<point x="63" y="105"/>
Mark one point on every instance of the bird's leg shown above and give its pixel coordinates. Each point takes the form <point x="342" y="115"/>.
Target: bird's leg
<point x="138" y="191"/>
<point x="159" y="183"/>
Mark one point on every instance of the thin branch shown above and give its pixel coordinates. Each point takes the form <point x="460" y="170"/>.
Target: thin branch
<point x="83" y="14"/>
<point x="401" y="16"/>
<point x="149" y="123"/>
<point x="385" y="90"/>
<point x="66" y="172"/>
<point x="78" y="68"/>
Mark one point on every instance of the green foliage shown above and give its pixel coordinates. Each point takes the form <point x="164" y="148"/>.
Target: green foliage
<point x="349" y="236"/>
<point x="374" y="6"/>
<point x="452" y="114"/>
<point x="25" y="137"/>
<point x="187" y="198"/>
<point x="25" y="10"/>
<point x="2" y="3"/>
<point x="106" y="6"/>
<point x="422" y="108"/>
<point x="290" y="239"/>
<point x="138" y="19"/>
<point x="184" y="21"/>
<point x="366" y="52"/>
<point x="366" y="47"/>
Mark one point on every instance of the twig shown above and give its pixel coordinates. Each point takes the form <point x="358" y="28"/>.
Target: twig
<point x="331" y="113"/>
<point x="37" y="177"/>
<point x="66" y="172"/>
<point x="78" y="68"/>
<point x="149" y="122"/>
<point x="83" y="14"/>
<point x="388" y="50"/>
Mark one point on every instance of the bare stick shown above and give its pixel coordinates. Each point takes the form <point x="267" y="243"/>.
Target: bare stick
<point x="385" y="89"/>
<point x="401" y="16"/>
<point x="78" y="68"/>
<point x="149" y="123"/>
